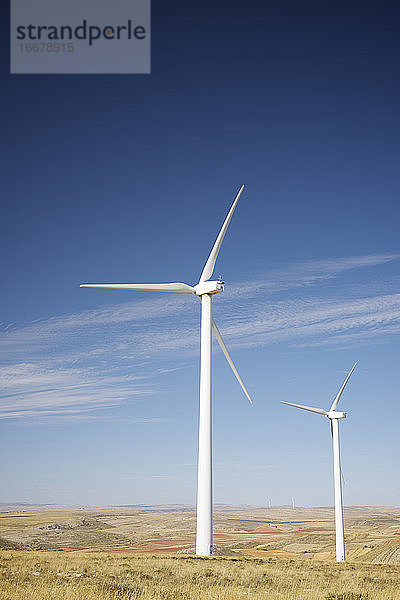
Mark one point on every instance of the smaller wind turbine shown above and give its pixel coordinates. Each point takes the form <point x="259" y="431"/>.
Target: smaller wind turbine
<point x="334" y="416"/>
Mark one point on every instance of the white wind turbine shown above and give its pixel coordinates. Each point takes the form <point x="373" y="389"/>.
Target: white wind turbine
<point x="334" y="416"/>
<point x="204" y="289"/>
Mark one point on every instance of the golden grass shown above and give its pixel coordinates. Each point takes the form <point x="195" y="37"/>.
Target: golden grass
<point x="31" y="575"/>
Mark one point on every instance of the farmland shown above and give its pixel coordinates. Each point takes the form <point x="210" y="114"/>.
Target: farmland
<point x="372" y="534"/>
<point x="148" y="553"/>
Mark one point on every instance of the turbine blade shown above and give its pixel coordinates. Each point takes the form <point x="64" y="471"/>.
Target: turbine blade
<point x="228" y="358"/>
<point x="330" y="423"/>
<point x="209" y="266"/>
<point x="149" y="287"/>
<point x="343" y="480"/>
<point x="336" y="400"/>
<point x="320" y="411"/>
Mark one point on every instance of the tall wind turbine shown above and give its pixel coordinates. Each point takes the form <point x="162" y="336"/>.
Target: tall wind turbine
<point x="204" y="289"/>
<point x="334" y="416"/>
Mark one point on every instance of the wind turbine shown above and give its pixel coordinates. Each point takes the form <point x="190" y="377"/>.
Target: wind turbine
<point x="334" y="416"/>
<point x="204" y="289"/>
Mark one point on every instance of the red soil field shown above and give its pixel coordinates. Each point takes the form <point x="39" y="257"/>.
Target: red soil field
<point x="267" y="530"/>
<point x="316" y="529"/>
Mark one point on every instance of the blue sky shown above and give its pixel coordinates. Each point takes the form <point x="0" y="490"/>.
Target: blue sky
<point x="128" y="179"/>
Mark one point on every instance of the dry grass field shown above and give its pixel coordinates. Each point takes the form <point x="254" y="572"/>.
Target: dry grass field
<point x="285" y="554"/>
<point x="104" y="576"/>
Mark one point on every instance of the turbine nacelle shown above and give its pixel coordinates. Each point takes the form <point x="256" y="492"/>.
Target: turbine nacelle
<point x="208" y="287"/>
<point x="335" y="414"/>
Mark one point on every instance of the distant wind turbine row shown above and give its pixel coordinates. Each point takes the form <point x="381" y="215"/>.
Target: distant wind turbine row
<point x="205" y="289"/>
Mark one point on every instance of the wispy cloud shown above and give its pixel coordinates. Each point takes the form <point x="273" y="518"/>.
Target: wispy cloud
<point x="316" y="322"/>
<point x="310" y="273"/>
<point x="77" y="366"/>
<point x="41" y="391"/>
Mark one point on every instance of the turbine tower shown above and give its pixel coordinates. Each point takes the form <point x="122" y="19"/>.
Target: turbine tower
<point x="334" y="416"/>
<point x="204" y="289"/>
